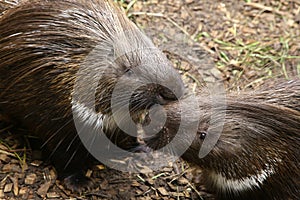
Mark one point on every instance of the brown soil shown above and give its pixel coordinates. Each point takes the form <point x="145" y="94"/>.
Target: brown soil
<point x="196" y="35"/>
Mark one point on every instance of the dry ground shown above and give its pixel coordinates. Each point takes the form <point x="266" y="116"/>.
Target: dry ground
<point x="241" y="43"/>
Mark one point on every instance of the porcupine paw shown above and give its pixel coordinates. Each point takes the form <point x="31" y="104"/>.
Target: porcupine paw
<point x="78" y="182"/>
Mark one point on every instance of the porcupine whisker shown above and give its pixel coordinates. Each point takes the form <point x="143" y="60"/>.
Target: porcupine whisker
<point x="71" y="158"/>
<point x="124" y="117"/>
<point x="74" y="153"/>
<point x="57" y="146"/>
<point x="113" y="130"/>
<point x="55" y="133"/>
<point x="69" y="145"/>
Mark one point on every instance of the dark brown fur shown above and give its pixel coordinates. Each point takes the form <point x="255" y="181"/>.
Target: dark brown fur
<point x="261" y="135"/>
<point x="42" y="45"/>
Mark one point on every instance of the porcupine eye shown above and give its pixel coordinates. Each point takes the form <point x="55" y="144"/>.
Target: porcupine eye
<point x="128" y="71"/>
<point x="202" y="135"/>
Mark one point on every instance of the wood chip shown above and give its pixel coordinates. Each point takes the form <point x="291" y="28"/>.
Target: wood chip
<point x="173" y="187"/>
<point x="23" y="190"/>
<point x="3" y="181"/>
<point x="4" y="158"/>
<point x="144" y="188"/>
<point x="189" y="1"/>
<point x="100" y="167"/>
<point x="150" y="181"/>
<point x="8" y="187"/>
<point x="52" y="195"/>
<point x="16" y="185"/>
<point x="135" y="183"/>
<point x="36" y="163"/>
<point x="88" y="173"/>
<point x="11" y="168"/>
<point x="145" y="170"/>
<point x="42" y="191"/>
<point x="177" y="194"/>
<point x="168" y="169"/>
<point x="19" y="175"/>
<point x="30" y="179"/>
<point x="187" y="192"/>
<point x="163" y="191"/>
<point x="53" y="175"/>
<point x="1" y="193"/>
<point x="183" y="181"/>
<point x="3" y="147"/>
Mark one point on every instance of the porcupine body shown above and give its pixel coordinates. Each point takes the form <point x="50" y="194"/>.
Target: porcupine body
<point x="53" y="51"/>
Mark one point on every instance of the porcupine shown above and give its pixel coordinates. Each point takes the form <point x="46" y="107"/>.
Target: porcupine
<point x="43" y="45"/>
<point x="257" y="153"/>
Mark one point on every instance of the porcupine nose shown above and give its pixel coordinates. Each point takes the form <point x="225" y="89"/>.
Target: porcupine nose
<point x="173" y="91"/>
